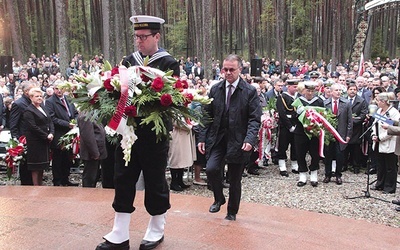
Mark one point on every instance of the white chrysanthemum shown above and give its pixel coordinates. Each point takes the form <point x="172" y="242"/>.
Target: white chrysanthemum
<point x="128" y="139"/>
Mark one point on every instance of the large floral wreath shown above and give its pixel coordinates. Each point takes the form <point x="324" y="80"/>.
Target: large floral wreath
<point x="119" y="94"/>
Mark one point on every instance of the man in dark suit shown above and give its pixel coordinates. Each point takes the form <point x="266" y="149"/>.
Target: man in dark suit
<point x="231" y="135"/>
<point x="362" y="90"/>
<point x="359" y="109"/>
<point x="276" y="90"/>
<point x="198" y="71"/>
<point x="340" y="107"/>
<point x="18" y="127"/>
<point x="33" y="71"/>
<point x="62" y="113"/>
<point x="92" y="149"/>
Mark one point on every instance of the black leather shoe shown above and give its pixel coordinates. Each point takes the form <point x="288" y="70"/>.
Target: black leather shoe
<point x="371" y="171"/>
<point x="301" y="184"/>
<point x="284" y="173"/>
<point x="183" y="185"/>
<point x="71" y="184"/>
<point x="230" y="217"/>
<point x="253" y="171"/>
<point x="106" y="245"/>
<point x="397" y="202"/>
<point x="314" y="183"/>
<point x="326" y="179"/>
<point x="176" y="187"/>
<point x="397" y="209"/>
<point x="216" y="206"/>
<point x="339" y="180"/>
<point x="295" y="171"/>
<point x="376" y="188"/>
<point x="387" y="192"/>
<point x="146" y="245"/>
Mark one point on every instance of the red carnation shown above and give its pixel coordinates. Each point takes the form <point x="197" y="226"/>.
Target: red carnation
<point x="130" y="111"/>
<point x="115" y="71"/>
<point x="166" y="100"/>
<point x="15" y="151"/>
<point x="185" y="84"/>
<point x="108" y="86"/>
<point x="94" y="99"/>
<point x="157" y="85"/>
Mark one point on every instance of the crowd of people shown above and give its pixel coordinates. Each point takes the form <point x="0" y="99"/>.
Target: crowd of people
<point x="364" y="102"/>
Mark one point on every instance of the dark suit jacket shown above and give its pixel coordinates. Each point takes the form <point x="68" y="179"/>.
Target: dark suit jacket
<point x="34" y="73"/>
<point x="201" y="74"/>
<point x="366" y="94"/>
<point x="270" y="94"/>
<point x="17" y="124"/>
<point x="359" y="111"/>
<point x="92" y="139"/>
<point x="244" y="120"/>
<point x="59" y="115"/>
<point x="344" y="118"/>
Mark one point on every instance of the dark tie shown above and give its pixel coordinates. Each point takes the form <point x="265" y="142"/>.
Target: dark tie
<point x="228" y="97"/>
<point x="335" y="107"/>
<point x="66" y="106"/>
<point x="351" y="101"/>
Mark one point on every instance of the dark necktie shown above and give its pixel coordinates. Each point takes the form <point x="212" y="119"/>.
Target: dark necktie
<point x="351" y="101"/>
<point x="228" y="97"/>
<point x="335" y="107"/>
<point x="66" y="106"/>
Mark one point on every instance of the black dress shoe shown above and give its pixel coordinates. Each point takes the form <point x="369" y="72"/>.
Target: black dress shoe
<point x="106" y="245"/>
<point x="314" y="183"/>
<point x="230" y="217"/>
<point x="71" y="184"/>
<point x="371" y="171"/>
<point x="387" y="192"/>
<point x="376" y="188"/>
<point x="301" y="184"/>
<point x="326" y="179"/>
<point x="216" y="206"/>
<point x="253" y="171"/>
<point x="295" y="171"/>
<point x="339" y="180"/>
<point x="183" y="185"/>
<point x="284" y="173"/>
<point x="176" y="187"/>
<point x="397" y="202"/>
<point x="397" y="209"/>
<point x="146" y="245"/>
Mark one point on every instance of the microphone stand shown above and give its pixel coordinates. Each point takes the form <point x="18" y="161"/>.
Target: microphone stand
<point x="367" y="193"/>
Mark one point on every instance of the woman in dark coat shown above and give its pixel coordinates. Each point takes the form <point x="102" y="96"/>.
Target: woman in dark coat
<point x="39" y="134"/>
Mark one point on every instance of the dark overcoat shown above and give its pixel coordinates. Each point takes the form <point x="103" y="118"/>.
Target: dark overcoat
<point x="92" y="139"/>
<point x="244" y="120"/>
<point x="359" y="112"/>
<point x="38" y="127"/>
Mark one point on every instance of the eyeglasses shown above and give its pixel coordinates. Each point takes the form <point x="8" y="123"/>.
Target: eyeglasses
<point x="229" y="69"/>
<point x="142" y="37"/>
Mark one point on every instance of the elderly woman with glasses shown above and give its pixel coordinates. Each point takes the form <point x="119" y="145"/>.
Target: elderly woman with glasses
<point x="385" y="144"/>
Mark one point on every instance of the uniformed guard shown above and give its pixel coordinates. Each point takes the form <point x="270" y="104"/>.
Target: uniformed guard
<point x="303" y="144"/>
<point x="286" y="127"/>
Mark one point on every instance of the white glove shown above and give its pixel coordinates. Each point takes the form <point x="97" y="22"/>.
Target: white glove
<point x="300" y="110"/>
<point x="292" y="128"/>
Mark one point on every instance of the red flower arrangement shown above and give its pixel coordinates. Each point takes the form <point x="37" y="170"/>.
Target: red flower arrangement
<point x="16" y="151"/>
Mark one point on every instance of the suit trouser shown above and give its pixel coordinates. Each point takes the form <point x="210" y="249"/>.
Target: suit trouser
<point x="213" y="169"/>
<point x="284" y="139"/>
<point x="354" y="150"/>
<point x="387" y="172"/>
<point x="90" y="170"/>
<point x="107" y="167"/>
<point x="333" y="152"/>
<point x="304" y="145"/>
<point x="61" y="166"/>
<point x="151" y="158"/>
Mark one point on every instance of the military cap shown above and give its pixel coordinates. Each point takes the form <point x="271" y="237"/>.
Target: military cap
<point x="350" y="81"/>
<point x="142" y="22"/>
<point x="293" y="81"/>
<point x="310" y="84"/>
<point x="314" y="74"/>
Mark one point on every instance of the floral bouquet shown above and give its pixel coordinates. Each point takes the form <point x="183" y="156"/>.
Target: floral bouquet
<point x="16" y="152"/>
<point x="70" y="141"/>
<point x="318" y="122"/>
<point x="120" y="94"/>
